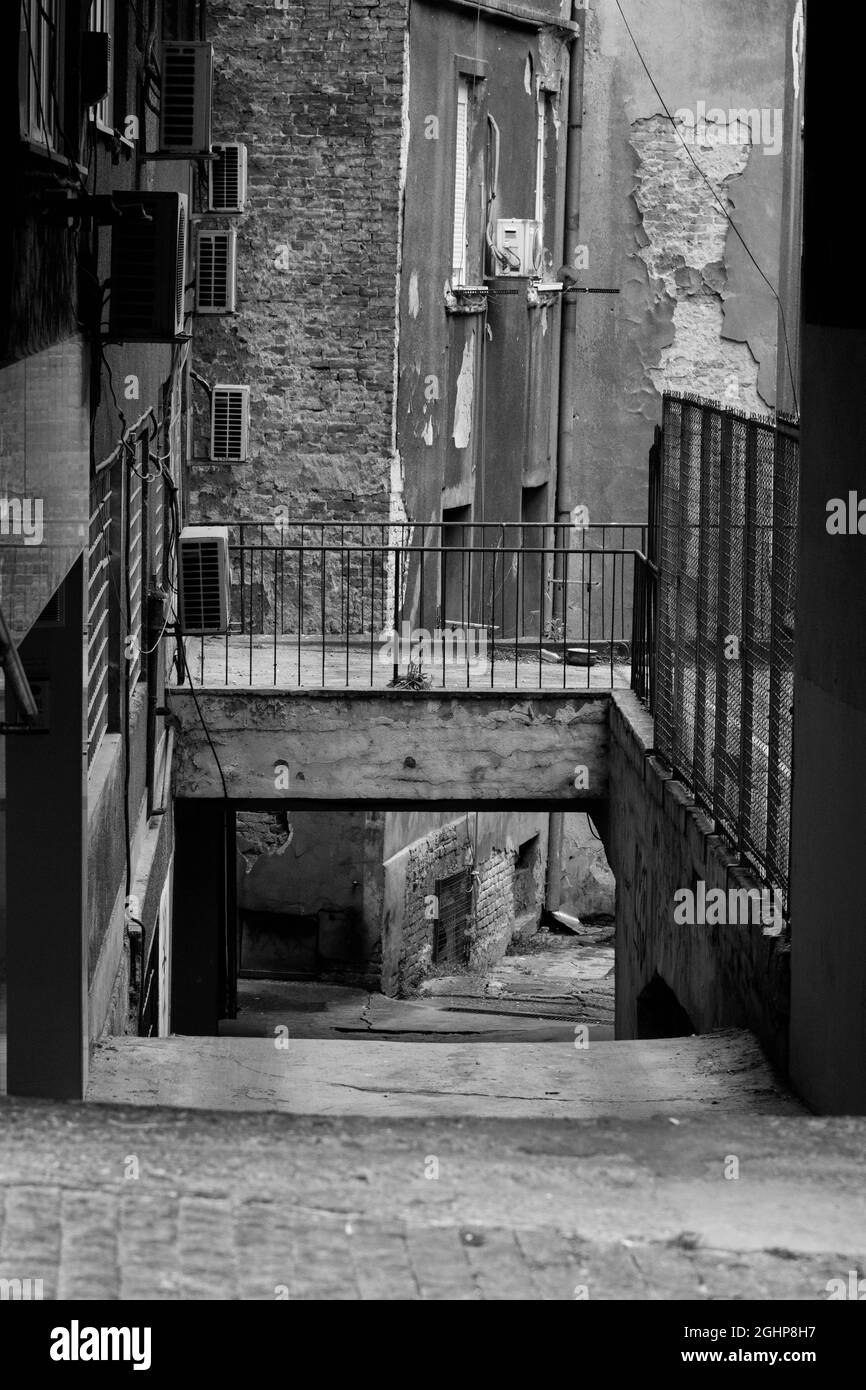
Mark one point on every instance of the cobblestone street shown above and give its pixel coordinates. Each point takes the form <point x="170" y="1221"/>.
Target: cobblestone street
<point x="138" y="1203"/>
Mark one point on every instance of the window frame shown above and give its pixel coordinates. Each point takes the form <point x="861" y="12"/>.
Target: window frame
<point x="41" y="93"/>
<point x="102" y="20"/>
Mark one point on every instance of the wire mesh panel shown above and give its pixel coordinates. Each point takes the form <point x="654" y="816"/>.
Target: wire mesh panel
<point x="729" y="670"/>
<point x="668" y="563"/>
<point x="785" y="508"/>
<point x="724" y="647"/>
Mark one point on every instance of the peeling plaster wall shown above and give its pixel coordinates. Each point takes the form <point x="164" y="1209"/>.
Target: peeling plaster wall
<point x="683" y="248"/>
<point x="478" y="384"/>
<point x="692" y="313"/>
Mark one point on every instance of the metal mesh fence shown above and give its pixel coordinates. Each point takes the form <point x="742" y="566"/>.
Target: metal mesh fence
<point x="723" y="687"/>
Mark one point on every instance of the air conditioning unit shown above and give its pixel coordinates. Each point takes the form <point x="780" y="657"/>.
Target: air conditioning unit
<point x="215" y="272"/>
<point x="204" y="580"/>
<point x="229" y="423"/>
<point x="520" y="242"/>
<point x="227" y="179"/>
<point x="148" y="267"/>
<point x="186" y="91"/>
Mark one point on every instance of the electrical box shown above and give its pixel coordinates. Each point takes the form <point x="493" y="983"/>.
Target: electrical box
<point x="519" y="242"/>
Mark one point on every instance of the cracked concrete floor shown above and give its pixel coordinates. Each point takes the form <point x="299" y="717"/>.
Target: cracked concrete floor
<point x="670" y="1077"/>
<point x="536" y="994"/>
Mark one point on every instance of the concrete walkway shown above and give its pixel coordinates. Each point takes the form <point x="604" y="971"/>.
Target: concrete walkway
<point x="633" y="1080"/>
<point x="107" y="1202"/>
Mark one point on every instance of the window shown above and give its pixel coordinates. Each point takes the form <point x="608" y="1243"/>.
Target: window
<point x="102" y="22"/>
<point x="461" y="179"/>
<point x="469" y="162"/>
<point x="39" y="71"/>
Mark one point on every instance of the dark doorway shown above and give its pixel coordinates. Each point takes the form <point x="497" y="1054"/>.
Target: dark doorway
<point x="660" y="1014"/>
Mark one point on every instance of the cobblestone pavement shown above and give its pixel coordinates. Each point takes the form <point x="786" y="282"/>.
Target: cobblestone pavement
<point x="115" y="1202"/>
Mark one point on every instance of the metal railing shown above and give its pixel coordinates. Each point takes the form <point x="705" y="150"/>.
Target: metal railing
<point x="715" y="612"/>
<point x="98" y="611"/>
<point x="323" y="603"/>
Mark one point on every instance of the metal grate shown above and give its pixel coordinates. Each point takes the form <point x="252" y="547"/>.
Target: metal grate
<point x="722" y="692"/>
<point x="451" y="934"/>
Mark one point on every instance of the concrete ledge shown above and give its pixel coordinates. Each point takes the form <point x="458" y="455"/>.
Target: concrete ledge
<point x="395" y="746"/>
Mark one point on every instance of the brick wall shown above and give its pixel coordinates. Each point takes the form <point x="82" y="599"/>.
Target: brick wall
<point x="315" y="90"/>
<point x="500" y="900"/>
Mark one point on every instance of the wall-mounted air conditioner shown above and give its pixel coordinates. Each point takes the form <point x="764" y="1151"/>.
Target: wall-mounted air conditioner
<point x="186" y="90"/>
<point x="519" y="241"/>
<point x="229" y="423"/>
<point x="227" y="179"/>
<point x="148" y="266"/>
<point x="215" y="271"/>
<point x="204" y="580"/>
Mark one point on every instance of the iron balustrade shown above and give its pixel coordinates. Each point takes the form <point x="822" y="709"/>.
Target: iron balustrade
<point x="326" y="603"/>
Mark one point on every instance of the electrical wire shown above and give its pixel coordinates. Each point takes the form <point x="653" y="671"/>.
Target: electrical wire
<point x="182" y="645"/>
<point x="721" y="206"/>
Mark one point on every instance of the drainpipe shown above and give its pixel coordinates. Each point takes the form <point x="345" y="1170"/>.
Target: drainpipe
<point x="567" y="351"/>
<point x="567" y="363"/>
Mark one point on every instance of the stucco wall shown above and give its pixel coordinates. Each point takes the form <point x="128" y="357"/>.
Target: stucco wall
<point x="692" y="313"/>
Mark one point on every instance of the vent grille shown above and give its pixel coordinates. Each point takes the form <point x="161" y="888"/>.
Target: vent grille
<point x="180" y="269"/>
<point x="230" y="412"/>
<point x="228" y="178"/>
<point x="204" y="581"/>
<point x="215" y="277"/>
<point x="185" y="105"/>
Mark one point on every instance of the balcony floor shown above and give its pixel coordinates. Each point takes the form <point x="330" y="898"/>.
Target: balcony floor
<point x="236" y="661"/>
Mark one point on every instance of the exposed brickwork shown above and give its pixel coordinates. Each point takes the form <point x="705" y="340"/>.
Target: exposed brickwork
<point x="315" y="91"/>
<point x="683" y="249"/>
<point x="440" y="853"/>
<point x="499" y="898"/>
